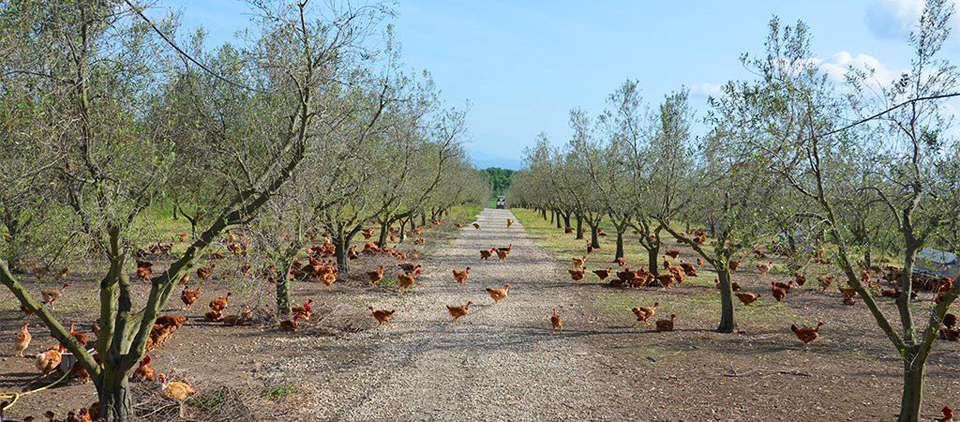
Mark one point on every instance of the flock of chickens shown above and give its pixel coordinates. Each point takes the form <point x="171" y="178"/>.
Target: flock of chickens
<point x="318" y="268"/>
<point x="779" y="290"/>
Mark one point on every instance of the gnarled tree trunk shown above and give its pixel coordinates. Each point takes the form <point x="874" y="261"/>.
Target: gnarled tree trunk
<point x="727" y="323"/>
<point x="116" y="402"/>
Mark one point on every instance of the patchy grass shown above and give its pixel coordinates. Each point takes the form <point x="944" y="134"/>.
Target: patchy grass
<point x="699" y="308"/>
<point x="695" y="301"/>
<point x="279" y="391"/>
<point x="566" y="246"/>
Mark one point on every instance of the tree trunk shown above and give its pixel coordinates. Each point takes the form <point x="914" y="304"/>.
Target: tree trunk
<point x="343" y="264"/>
<point x="552" y="214"/>
<point x="912" y="391"/>
<point x="543" y="213"/>
<point x="619" y="244"/>
<point x="727" y="323"/>
<point x="566" y="220"/>
<point x="558" y="220"/>
<point x="867" y="259"/>
<point x="116" y="404"/>
<point x="579" y="226"/>
<point x="423" y="219"/>
<point x="653" y="253"/>
<point x="403" y="230"/>
<point x="384" y="232"/>
<point x="283" y="292"/>
<point x="594" y="236"/>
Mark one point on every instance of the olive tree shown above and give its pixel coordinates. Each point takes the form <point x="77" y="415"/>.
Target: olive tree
<point x="904" y="153"/>
<point x="99" y="65"/>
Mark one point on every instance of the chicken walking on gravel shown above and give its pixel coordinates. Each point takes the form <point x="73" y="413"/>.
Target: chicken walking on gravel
<point x="555" y="322"/>
<point x="498" y="294"/>
<point x="459" y="311"/>
<point x="381" y="315"/>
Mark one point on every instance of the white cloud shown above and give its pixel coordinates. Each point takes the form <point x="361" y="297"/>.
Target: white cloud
<point x="837" y="66"/>
<point x="706" y="90"/>
<point x="893" y="18"/>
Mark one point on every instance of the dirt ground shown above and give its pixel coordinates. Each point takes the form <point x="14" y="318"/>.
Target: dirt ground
<point x="503" y="363"/>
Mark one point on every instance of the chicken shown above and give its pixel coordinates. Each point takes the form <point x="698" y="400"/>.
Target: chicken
<point x="509" y="223"/>
<point x="206" y="272"/>
<point x="699" y="262"/>
<point x="801" y="280"/>
<point x="419" y="241"/>
<point x="764" y="268"/>
<point x="891" y="293"/>
<point x="567" y="230"/>
<point x="329" y="278"/>
<point x="498" y="294"/>
<point x="733" y="265"/>
<point x="144" y="371"/>
<point x="189" y="297"/>
<point x="665" y="280"/>
<point x="213" y="316"/>
<point x="178" y="391"/>
<point x="461" y="276"/>
<point x="502" y="253"/>
<point x="747" y="298"/>
<point x="825" y="282"/>
<point x="174" y="320"/>
<point x="950" y="334"/>
<point x="144" y="270"/>
<point x="579" y="261"/>
<point x="947" y="412"/>
<point x="778" y="293"/>
<point x="220" y="303"/>
<point x="555" y="322"/>
<point x="602" y="274"/>
<point x="688" y="269"/>
<point x="784" y="286"/>
<point x="459" y="311"/>
<point x="590" y="249"/>
<point x="375" y="276"/>
<point x="411" y="268"/>
<point x="950" y="320"/>
<point x="485" y="254"/>
<point x="672" y="253"/>
<point x="80" y="337"/>
<point x="290" y="324"/>
<point x="621" y="261"/>
<point x="23" y="339"/>
<point x="367" y="234"/>
<point x="50" y="296"/>
<point x="458" y="225"/>
<point x="243" y="318"/>
<point x="806" y="334"/>
<point x="666" y="263"/>
<point x="577" y="275"/>
<point x="381" y="315"/>
<point x="305" y="311"/>
<point x="476" y="226"/>
<point x="49" y="361"/>
<point x="666" y="324"/>
<point x="645" y="313"/>
<point x="405" y="280"/>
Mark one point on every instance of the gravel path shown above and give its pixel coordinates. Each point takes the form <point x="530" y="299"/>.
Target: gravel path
<point x="499" y="363"/>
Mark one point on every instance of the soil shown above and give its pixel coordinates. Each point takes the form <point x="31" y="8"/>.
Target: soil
<point x="503" y="362"/>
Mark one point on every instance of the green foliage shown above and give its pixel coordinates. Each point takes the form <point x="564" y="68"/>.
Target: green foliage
<point x="499" y="179"/>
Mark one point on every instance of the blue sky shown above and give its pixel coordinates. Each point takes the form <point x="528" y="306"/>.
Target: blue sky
<point x="524" y="64"/>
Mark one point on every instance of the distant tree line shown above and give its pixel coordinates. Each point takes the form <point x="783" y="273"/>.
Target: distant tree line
<point x="498" y="179"/>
